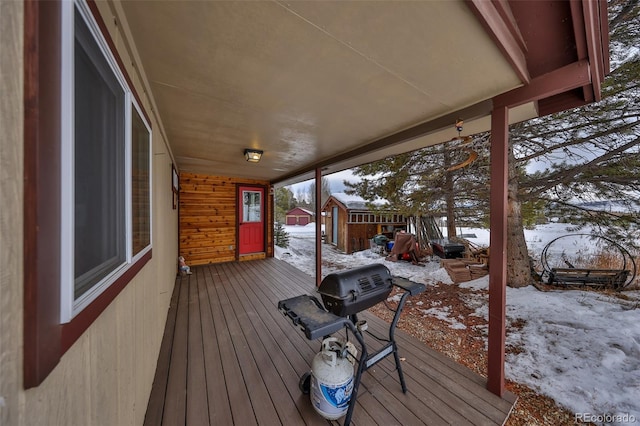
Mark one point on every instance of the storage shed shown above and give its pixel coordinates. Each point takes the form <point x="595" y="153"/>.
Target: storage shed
<point x="299" y="216"/>
<point x="350" y="223"/>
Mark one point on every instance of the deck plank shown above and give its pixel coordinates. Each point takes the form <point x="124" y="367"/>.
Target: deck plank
<point x="423" y="392"/>
<point x="237" y="393"/>
<point x="286" y="359"/>
<point x="250" y="322"/>
<point x="377" y="411"/>
<point x="219" y="406"/>
<point x="176" y="399"/>
<point x="263" y="409"/>
<point x="155" y="407"/>
<point x="452" y="387"/>
<point x="197" y="404"/>
<point x="230" y="357"/>
<point x="447" y="385"/>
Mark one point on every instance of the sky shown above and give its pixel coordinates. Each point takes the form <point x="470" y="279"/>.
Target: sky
<point x="335" y="181"/>
<point x="580" y="348"/>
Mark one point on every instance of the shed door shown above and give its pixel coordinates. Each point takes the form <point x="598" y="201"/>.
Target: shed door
<point x="334" y="226"/>
<point x="251" y="220"/>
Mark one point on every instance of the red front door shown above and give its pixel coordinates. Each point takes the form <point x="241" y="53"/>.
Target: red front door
<point x="251" y="220"/>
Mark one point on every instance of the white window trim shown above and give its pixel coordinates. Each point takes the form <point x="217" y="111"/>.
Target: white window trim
<point x="67" y="162"/>
<point x="69" y="307"/>
<point x="128" y="161"/>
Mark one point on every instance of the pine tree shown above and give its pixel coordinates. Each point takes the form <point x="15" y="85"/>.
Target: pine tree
<point x="284" y="201"/>
<point x="421" y="182"/>
<point x="281" y="237"/>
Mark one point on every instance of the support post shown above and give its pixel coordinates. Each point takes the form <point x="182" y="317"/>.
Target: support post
<point x="498" y="249"/>
<point x="318" y="212"/>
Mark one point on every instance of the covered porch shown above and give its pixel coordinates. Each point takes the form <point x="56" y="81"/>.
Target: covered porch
<point x="228" y="356"/>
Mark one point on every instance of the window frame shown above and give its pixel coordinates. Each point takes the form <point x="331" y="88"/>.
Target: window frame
<point x="71" y="305"/>
<point x="46" y="337"/>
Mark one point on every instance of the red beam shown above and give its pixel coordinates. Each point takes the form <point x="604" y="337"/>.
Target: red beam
<point x="498" y="247"/>
<point x="498" y="22"/>
<point x="572" y="76"/>
<point x="597" y="39"/>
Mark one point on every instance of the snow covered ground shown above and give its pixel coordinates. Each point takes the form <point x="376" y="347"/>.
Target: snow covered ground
<point x="580" y="348"/>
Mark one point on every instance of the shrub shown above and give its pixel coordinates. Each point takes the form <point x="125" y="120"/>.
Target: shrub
<point x="281" y="237"/>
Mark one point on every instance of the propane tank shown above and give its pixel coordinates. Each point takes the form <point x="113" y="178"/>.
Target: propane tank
<point x="332" y="379"/>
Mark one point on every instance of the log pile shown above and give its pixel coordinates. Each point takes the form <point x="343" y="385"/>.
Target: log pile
<point x="474" y="252"/>
<point x="462" y="270"/>
<point x="478" y="270"/>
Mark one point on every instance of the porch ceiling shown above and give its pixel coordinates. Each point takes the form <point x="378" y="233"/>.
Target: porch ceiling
<point x="310" y="82"/>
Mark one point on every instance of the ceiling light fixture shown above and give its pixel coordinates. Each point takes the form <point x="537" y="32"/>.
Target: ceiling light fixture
<point x="252" y="155"/>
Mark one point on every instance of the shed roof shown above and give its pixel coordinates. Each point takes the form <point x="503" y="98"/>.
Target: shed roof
<point x="301" y="210"/>
<point x="355" y="202"/>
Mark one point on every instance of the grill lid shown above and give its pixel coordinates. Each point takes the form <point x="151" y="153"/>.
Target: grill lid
<point x="357" y="282"/>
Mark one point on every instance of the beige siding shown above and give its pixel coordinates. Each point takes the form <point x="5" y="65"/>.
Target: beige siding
<point x="106" y="376"/>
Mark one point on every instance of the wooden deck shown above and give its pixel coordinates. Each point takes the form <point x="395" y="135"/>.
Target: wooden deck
<point x="229" y="357"/>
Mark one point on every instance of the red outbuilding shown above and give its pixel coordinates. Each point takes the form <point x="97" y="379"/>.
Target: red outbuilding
<point x="299" y="216"/>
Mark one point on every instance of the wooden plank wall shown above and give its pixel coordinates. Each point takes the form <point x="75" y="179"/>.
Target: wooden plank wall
<point x="359" y="236"/>
<point x="343" y="230"/>
<point x="208" y="218"/>
<point x="328" y="226"/>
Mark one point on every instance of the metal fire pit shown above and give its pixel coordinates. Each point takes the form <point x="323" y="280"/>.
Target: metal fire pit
<point x="344" y="295"/>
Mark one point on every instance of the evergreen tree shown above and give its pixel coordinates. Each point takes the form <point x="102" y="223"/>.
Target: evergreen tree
<point x="280" y="236"/>
<point x="284" y="201"/>
<point x="422" y="182"/>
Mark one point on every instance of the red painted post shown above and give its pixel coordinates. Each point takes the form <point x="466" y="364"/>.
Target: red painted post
<point x="318" y="196"/>
<point x="498" y="249"/>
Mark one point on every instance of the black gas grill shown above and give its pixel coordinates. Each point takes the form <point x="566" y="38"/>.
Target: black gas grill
<point x="345" y="294"/>
<point x="352" y="291"/>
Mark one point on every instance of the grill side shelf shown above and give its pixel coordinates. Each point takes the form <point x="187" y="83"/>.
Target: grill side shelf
<point x="306" y="312"/>
<point x="412" y="287"/>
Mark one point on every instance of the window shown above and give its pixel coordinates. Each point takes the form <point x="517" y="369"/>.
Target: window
<point x="251" y="206"/>
<point x="67" y="60"/>
<point x="140" y="189"/>
<point x="99" y="164"/>
<point x="105" y="209"/>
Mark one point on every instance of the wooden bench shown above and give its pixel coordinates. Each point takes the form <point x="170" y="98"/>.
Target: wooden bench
<point x="613" y="278"/>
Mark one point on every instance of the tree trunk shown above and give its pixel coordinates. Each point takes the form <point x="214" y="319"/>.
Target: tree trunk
<point x="449" y="198"/>
<point x="451" y="216"/>
<point x="518" y="269"/>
